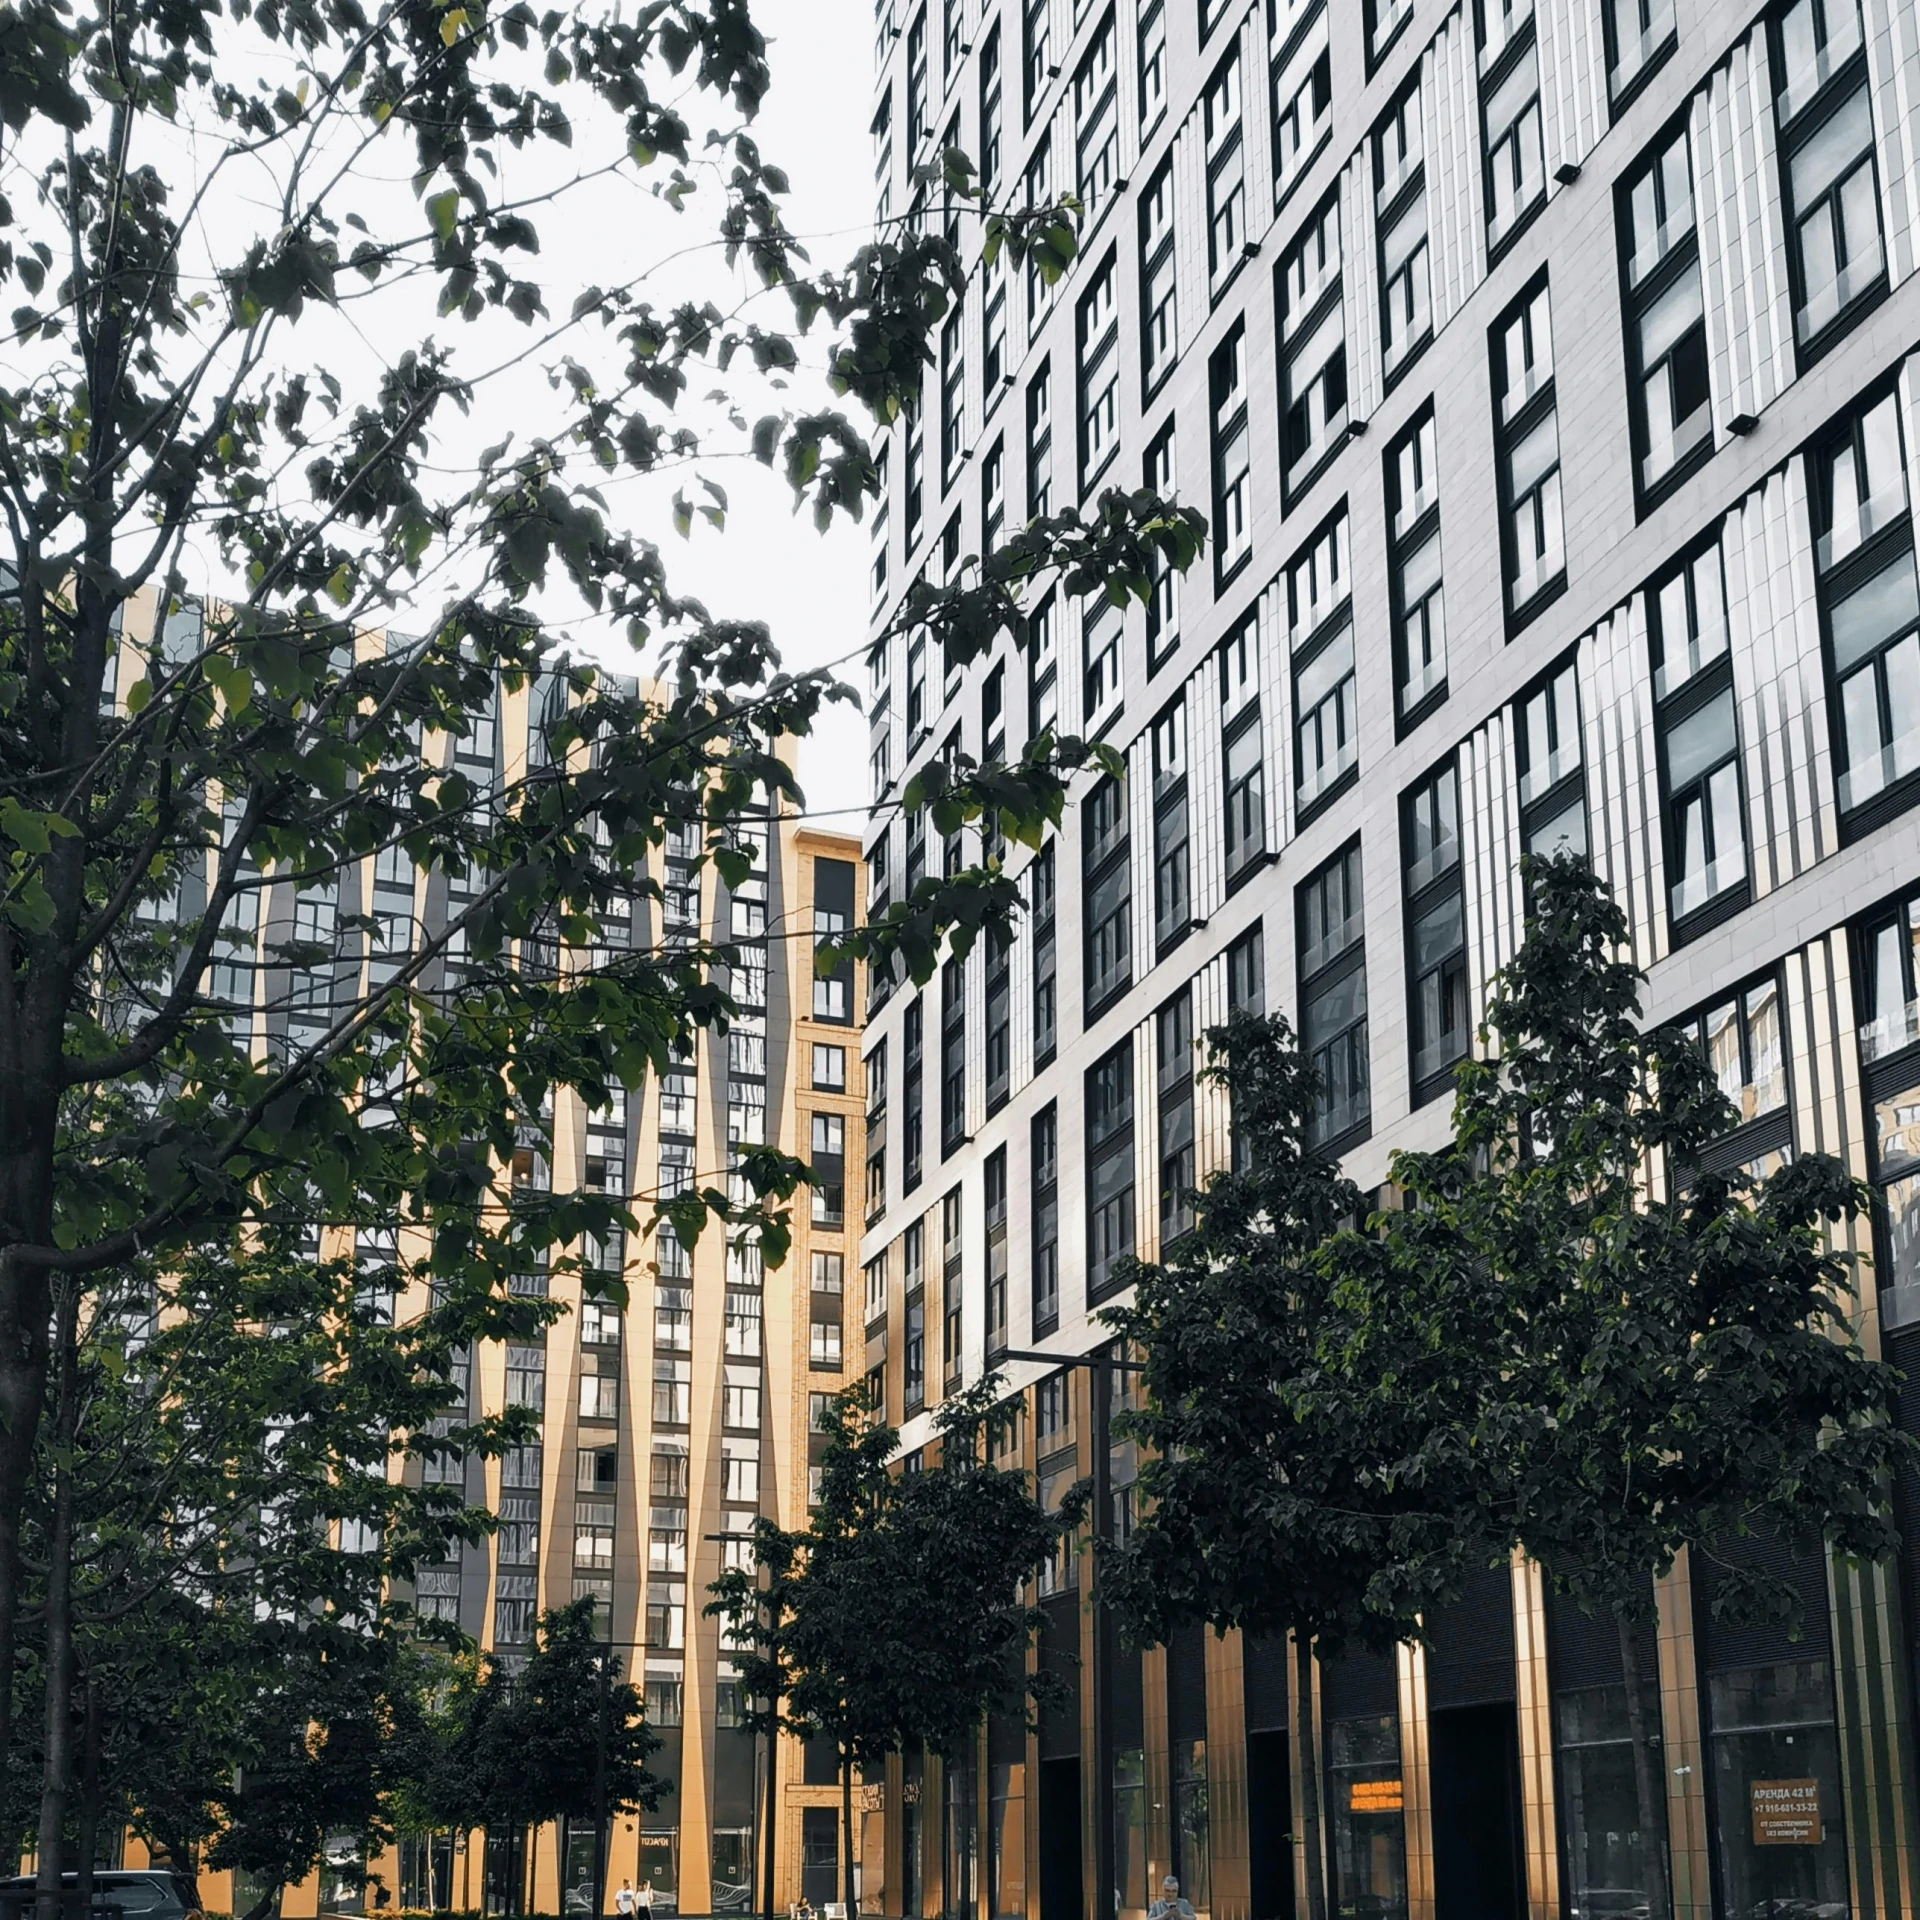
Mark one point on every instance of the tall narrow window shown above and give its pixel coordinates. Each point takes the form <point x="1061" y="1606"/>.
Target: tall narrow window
<point x="1153" y="63"/>
<point x="1244" y="750"/>
<point x="1400" y="200"/>
<point x="1313" y="350"/>
<point x="1743" y="1039"/>
<point x="1100" y="647"/>
<point x="1666" y="321"/>
<point x="1320" y="628"/>
<point x="1173" y="1033"/>
<point x="912" y="1097"/>
<point x="1163" y="603"/>
<point x="1837" y="256"/>
<point x="1039" y="192"/>
<point x="1438" y="1017"/>
<point x="999" y="1015"/>
<point x="1172" y="863"/>
<point x="1870" y="608"/>
<point x="1699" y="745"/>
<point x="919" y="120"/>
<point x="1516" y="166"/>
<point x="993" y="496"/>
<point x="1106" y="871"/>
<point x="1046" y="1220"/>
<point x="1301" y="66"/>
<point x="952" y="1302"/>
<point x="1098" y="339"/>
<point x="1527" y="435"/>
<point x="1037" y="67"/>
<point x="1226" y="171"/>
<point x="1045" y="959"/>
<point x="991" y="112"/>
<point x="994" y="1186"/>
<point x="1232" y="455"/>
<point x="1414" y="572"/>
<point x="1096" y="119"/>
<point x="883" y="163"/>
<point x="1385" y="18"/>
<point x="1109" y="1168"/>
<point x="1553" y="785"/>
<point x="1160" y="311"/>
<point x="915" y="500"/>
<point x="1039" y="445"/>
<point x="953" y="1057"/>
<point x="1043" y="669"/>
<point x="1333" y="999"/>
<point x="953" y="394"/>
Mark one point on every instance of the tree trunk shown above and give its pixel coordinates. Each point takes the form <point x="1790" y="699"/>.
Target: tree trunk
<point x="86" y="1840"/>
<point x="262" y="1908"/>
<point x="846" y="1830"/>
<point x="56" y="1767"/>
<point x="1307" y="1749"/>
<point x="1649" y="1778"/>
<point x="24" y="1311"/>
<point x="773" y="1798"/>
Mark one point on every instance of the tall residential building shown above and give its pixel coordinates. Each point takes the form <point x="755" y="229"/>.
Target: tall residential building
<point x="1546" y="369"/>
<point x="666" y="1428"/>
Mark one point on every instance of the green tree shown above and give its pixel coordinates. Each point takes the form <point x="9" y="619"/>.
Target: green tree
<point x="901" y="1613"/>
<point x="1675" y="1366"/>
<point x="189" y="243"/>
<point x="1299" y="1473"/>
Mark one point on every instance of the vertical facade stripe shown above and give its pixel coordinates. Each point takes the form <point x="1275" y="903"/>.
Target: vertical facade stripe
<point x="1456" y="202"/>
<point x="1573" y="81"/>
<point x="1893" y="71"/>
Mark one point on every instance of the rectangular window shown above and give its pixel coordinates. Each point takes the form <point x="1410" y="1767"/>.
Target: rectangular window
<point x="1040" y="903"/>
<point x="882" y="131"/>
<point x="1100" y="644"/>
<point x="1385" y="18"/>
<point x="1510" y="116"/>
<point x="1890" y="982"/>
<point x="1302" y="85"/>
<point x="994" y="1186"/>
<point x="672" y="1392"/>
<point x="1159" y="303"/>
<point x="1870" y="609"/>
<point x="999" y="1011"/>
<point x="1246" y="783"/>
<point x="1836" y="253"/>
<point x="1400" y="200"/>
<point x="1247" y="973"/>
<point x="1173" y="1033"/>
<point x="991" y="111"/>
<point x="1527" y="437"/>
<point x="830" y="1068"/>
<point x="1039" y="189"/>
<point x="993" y="496"/>
<point x="953" y="1057"/>
<point x="1638" y="33"/>
<point x="1699" y="745"/>
<point x="1743" y="1039"/>
<point x="912" y="1054"/>
<point x="1172" y="855"/>
<point x="1106" y="871"/>
<point x="915" y="489"/>
<point x="1039" y="446"/>
<point x="1438" y="1018"/>
<point x="1153" y="63"/>
<point x="1553" y="786"/>
<point x="1413" y="571"/>
<point x="994" y="365"/>
<point x="1232" y="455"/>
<point x="1666" y="321"/>
<point x="1163" y="603"/>
<point x="1036" y="69"/>
<point x="953" y="394"/>
<point x="1096" y="119"/>
<point x="1226" y="171"/>
<point x="919" y="121"/>
<point x="1098" y="337"/>
<point x="1320" y="621"/>
<point x="1045" y="1175"/>
<point x="1109" y="1168"/>
<point x="1313" y="349"/>
<point x="952" y="1255"/>
<point x="1333" y="999"/>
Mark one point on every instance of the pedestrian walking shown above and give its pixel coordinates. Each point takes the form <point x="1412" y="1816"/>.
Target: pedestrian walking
<point x="623" y="1900"/>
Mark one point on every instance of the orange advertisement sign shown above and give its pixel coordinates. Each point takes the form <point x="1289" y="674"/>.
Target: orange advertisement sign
<point x="1786" y="1813"/>
<point x="1375" y="1796"/>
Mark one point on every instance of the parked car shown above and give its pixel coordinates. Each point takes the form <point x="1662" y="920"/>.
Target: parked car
<point x="153" y="1893"/>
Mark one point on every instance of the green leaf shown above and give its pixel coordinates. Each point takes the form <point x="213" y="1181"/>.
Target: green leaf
<point x="442" y="210"/>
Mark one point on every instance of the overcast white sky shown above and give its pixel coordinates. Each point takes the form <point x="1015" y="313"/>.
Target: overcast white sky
<point x="770" y="564"/>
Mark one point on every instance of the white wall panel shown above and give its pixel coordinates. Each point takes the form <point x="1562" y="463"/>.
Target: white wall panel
<point x="1623" y="802"/>
<point x="1360" y="287"/>
<point x="1893" y="70"/>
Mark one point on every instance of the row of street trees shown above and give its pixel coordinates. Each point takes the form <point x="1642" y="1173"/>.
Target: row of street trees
<point x="267" y="263"/>
<point x="1566" y="1338"/>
